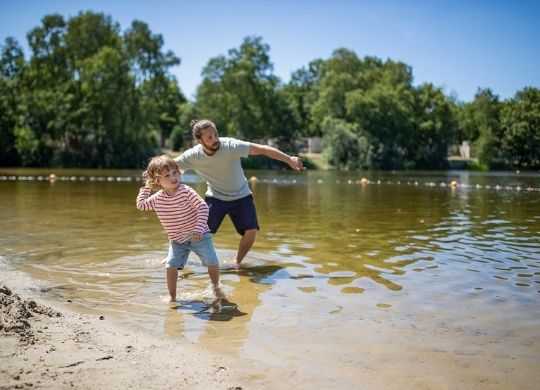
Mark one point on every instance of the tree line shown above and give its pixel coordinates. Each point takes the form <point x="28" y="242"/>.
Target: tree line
<point x="92" y="95"/>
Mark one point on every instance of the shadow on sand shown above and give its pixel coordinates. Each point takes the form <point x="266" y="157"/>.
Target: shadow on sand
<point x="223" y="309"/>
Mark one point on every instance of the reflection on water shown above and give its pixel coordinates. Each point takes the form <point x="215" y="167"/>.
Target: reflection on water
<point x="328" y="243"/>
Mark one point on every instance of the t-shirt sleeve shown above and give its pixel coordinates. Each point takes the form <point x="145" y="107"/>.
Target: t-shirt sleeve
<point x="238" y="148"/>
<point x="183" y="161"/>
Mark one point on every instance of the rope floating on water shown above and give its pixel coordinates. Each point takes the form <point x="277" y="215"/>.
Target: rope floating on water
<point x="52" y="178"/>
<point x="452" y="184"/>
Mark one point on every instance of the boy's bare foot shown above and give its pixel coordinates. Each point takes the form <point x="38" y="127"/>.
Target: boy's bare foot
<point x="218" y="292"/>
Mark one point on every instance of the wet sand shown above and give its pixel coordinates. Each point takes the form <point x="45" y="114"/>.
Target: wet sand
<point x="46" y="348"/>
<point x="50" y="347"/>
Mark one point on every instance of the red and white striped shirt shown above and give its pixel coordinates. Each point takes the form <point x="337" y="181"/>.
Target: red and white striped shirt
<point x="180" y="214"/>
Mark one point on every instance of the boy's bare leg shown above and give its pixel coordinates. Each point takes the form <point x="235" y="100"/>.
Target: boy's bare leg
<point x="246" y="242"/>
<point x="213" y="272"/>
<point x="172" y="276"/>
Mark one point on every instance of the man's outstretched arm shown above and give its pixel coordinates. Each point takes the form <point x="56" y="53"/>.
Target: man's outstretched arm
<point x="276" y="154"/>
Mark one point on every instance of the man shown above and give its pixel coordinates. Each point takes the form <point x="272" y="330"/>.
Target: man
<point x="217" y="160"/>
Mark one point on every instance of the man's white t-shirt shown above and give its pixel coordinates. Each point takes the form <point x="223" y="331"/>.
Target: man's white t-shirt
<point x="222" y="171"/>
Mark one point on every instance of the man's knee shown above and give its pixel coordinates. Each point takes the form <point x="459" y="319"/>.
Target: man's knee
<point x="250" y="233"/>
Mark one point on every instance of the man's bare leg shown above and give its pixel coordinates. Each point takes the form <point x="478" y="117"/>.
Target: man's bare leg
<point x="245" y="244"/>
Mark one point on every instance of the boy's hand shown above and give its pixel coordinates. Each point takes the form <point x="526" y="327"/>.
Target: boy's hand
<point x="196" y="237"/>
<point x="145" y="179"/>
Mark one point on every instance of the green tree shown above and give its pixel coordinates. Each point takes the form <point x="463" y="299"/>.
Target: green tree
<point x="150" y="66"/>
<point x="240" y="93"/>
<point x="114" y="134"/>
<point x="385" y="112"/>
<point x="479" y="122"/>
<point x="520" y="122"/>
<point x="11" y="67"/>
<point x="434" y="128"/>
<point x="88" y="96"/>
<point x="182" y="130"/>
<point x="301" y="93"/>
<point x="345" y="145"/>
<point x="43" y="93"/>
<point x="376" y="97"/>
<point x="160" y="99"/>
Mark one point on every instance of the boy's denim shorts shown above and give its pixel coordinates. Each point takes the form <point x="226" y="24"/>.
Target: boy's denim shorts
<point x="204" y="248"/>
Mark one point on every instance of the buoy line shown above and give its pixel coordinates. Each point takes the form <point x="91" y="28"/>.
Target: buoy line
<point x="452" y="184"/>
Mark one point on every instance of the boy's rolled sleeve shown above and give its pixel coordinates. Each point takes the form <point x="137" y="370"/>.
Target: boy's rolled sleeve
<point x="145" y="201"/>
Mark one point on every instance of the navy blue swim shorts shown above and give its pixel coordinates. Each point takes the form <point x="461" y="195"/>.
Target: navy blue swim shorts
<point x="241" y="211"/>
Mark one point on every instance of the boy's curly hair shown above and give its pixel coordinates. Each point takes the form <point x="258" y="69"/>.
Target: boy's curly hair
<point x="155" y="168"/>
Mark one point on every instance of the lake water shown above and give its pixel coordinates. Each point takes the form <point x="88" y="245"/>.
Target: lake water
<point x="336" y="256"/>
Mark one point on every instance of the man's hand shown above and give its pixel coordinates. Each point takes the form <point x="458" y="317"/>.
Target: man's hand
<point x="296" y="163"/>
<point x="196" y="236"/>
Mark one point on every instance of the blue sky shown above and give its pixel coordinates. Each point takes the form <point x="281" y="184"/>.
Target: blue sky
<point x="457" y="45"/>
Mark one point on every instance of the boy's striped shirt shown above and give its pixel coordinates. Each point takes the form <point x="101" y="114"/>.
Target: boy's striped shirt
<point x="180" y="214"/>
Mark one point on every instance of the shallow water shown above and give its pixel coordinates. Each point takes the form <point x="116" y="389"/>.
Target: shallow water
<point x="403" y="250"/>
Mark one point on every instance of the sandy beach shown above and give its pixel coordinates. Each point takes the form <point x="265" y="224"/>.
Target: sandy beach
<point x="43" y="347"/>
<point x="50" y="347"/>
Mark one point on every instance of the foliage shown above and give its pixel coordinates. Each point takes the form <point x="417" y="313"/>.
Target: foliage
<point x="346" y="147"/>
<point x="240" y="92"/>
<point x="11" y="67"/>
<point x="176" y="139"/>
<point x="387" y="121"/>
<point x="435" y="128"/>
<point x="520" y="122"/>
<point x="88" y="96"/>
<point x="91" y="95"/>
<point x="301" y="93"/>
<point x="479" y="122"/>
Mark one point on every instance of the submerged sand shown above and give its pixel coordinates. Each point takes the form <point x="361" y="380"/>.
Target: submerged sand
<point x="51" y="347"/>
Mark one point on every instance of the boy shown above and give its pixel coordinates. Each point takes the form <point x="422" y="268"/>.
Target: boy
<point x="183" y="214"/>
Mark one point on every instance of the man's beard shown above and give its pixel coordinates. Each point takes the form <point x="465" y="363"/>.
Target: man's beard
<point x="214" y="147"/>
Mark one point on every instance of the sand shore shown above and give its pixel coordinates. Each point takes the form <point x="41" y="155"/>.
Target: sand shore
<point x="50" y="347"/>
<point x="43" y="347"/>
